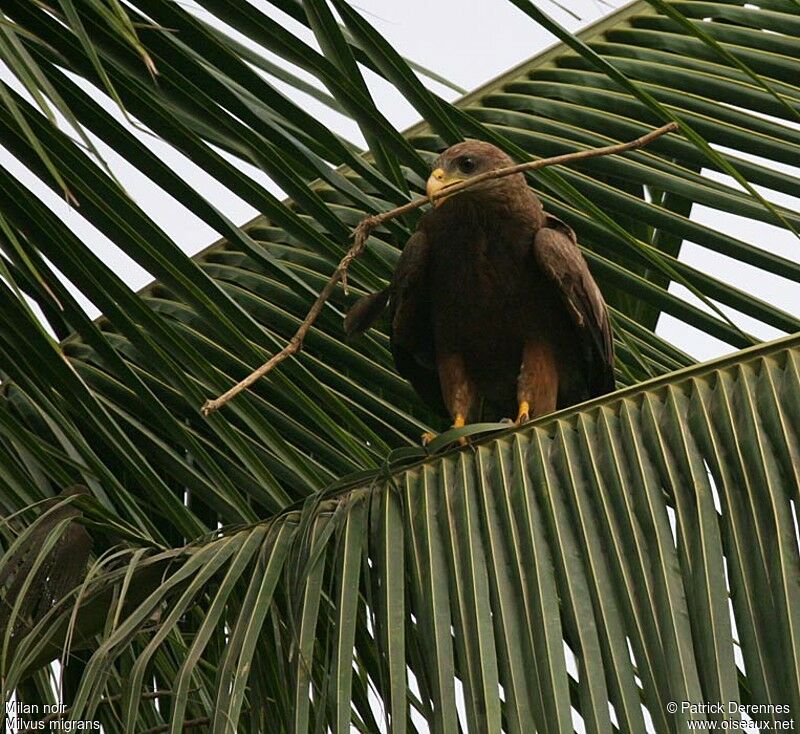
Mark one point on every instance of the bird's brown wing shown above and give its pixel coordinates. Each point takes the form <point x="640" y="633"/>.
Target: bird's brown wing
<point x="59" y="572"/>
<point x="412" y="340"/>
<point x="408" y="297"/>
<point x="556" y="251"/>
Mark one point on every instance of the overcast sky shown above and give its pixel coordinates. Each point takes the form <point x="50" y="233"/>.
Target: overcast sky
<point x="469" y="43"/>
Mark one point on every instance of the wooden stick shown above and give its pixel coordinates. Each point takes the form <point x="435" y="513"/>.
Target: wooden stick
<point x="362" y="232"/>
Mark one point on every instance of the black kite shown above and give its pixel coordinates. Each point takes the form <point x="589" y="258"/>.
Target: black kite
<point x="493" y="309"/>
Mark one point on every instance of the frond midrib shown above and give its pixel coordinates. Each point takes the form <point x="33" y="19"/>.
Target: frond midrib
<point x="749" y="355"/>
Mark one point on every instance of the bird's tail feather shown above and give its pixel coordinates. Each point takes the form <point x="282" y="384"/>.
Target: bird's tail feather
<point x="365" y="312"/>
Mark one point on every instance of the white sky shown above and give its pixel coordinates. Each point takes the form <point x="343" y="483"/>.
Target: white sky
<point x="468" y="43"/>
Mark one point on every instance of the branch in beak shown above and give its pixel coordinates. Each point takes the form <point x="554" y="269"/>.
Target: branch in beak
<point x="437" y="181"/>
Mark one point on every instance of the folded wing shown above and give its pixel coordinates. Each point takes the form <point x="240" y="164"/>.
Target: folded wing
<point x="409" y="302"/>
<point x="557" y="254"/>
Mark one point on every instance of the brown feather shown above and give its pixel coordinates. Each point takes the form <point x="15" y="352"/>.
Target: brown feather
<point x="539" y="376"/>
<point x="365" y="312"/>
<point x="557" y="253"/>
<point x="61" y="570"/>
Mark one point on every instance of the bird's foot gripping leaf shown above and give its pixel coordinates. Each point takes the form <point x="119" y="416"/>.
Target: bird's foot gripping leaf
<point x="523" y="416"/>
<point x="427" y="437"/>
<point x="459" y="422"/>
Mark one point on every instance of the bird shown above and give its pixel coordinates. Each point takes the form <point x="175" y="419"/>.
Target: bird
<point x="59" y="571"/>
<point x="493" y="310"/>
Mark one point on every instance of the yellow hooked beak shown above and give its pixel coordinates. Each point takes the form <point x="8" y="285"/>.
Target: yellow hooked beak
<point x="437" y="181"/>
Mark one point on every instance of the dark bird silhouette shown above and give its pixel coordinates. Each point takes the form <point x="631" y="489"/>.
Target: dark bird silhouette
<point x="493" y="309"/>
<point x="59" y="571"/>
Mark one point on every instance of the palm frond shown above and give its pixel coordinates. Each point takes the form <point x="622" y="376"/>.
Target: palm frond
<point x="607" y="529"/>
<point x="631" y="522"/>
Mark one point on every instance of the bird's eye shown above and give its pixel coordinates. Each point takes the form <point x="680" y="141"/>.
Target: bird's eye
<point x="466" y="164"/>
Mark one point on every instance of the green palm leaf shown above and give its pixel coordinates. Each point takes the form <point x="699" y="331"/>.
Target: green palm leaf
<point x="294" y="561"/>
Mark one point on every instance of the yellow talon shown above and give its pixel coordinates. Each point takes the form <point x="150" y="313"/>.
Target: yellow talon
<point x="459" y="422"/>
<point x="427" y="437"/>
<point x="523" y="416"/>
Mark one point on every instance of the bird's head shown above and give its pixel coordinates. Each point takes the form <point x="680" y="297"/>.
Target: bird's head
<point x="465" y="160"/>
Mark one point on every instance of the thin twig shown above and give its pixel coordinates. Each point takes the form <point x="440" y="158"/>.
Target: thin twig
<point x="366" y="225"/>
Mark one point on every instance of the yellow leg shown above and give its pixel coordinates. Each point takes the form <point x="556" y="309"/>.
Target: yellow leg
<point x="523" y="416"/>
<point x="460" y="422"/>
<point x="427" y="437"/>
